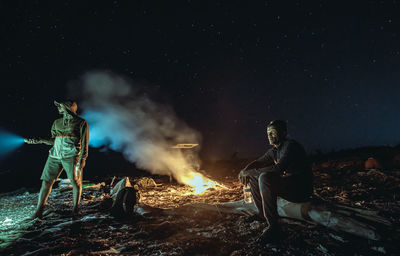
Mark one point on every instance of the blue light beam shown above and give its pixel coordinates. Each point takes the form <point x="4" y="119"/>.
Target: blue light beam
<point x="9" y="142"/>
<point x="105" y="130"/>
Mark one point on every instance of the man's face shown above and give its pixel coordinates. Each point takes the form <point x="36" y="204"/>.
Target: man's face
<point x="273" y="136"/>
<point x="61" y="108"/>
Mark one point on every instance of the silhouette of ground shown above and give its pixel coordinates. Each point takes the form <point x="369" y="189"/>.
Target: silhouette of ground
<point x="199" y="233"/>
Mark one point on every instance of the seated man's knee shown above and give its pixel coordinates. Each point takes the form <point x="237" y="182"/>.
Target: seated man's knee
<point x="253" y="180"/>
<point x="267" y="178"/>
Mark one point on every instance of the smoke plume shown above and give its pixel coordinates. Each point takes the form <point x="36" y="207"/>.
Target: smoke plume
<point x="125" y="120"/>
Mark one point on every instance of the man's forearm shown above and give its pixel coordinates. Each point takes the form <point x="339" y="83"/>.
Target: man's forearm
<point x="267" y="169"/>
<point x="251" y="165"/>
<point x="84" y="141"/>
<point x="84" y="153"/>
<point x="81" y="159"/>
<point x="255" y="164"/>
<point x="39" y="141"/>
<point x="257" y="171"/>
<point x="47" y="141"/>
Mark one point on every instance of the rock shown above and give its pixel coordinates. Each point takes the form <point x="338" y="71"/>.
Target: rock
<point x="322" y="249"/>
<point x="379" y="249"/>
<point x="372" y="163"/>
<point x="377" y="175"/>
<point x="396" y="160"/>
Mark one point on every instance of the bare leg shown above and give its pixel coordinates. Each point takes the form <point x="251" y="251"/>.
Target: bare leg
<point x="43" y="196"/>
<point x="76" y="192"/>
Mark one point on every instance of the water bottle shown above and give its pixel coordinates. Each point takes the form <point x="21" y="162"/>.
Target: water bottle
<point x="247" y="194"/>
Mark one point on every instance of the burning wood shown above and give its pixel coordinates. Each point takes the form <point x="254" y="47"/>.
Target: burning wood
<point x="167" y="196"/>
<point x="182" y="164"/>
<point x="199" y="183"/>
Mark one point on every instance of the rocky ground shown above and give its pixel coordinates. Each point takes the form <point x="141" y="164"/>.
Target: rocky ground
<point x="180" y="230"/>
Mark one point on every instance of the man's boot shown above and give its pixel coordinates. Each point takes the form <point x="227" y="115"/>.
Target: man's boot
<point x="270" y="234"/>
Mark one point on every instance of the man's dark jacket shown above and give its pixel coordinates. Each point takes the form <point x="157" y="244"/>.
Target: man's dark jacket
<point x="289" y="160"/>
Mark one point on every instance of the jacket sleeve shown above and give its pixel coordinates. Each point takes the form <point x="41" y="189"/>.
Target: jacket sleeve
<point x="53" y="130"/>
<point x="84" y="140"/>
<point x="289" y="157"/>
<point x="265" y="160"/>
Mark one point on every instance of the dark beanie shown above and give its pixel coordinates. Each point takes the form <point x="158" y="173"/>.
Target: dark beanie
<point x="278" y="124"/>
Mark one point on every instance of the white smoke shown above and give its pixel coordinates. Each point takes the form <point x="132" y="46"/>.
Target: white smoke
<point x="144" y="131"/>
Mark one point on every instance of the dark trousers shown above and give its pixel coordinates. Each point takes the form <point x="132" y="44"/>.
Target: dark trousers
<point x="266" y="187"/>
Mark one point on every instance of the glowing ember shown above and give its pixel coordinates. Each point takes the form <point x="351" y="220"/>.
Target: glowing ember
<point x="199" y="182"/>
<point x="181" y="164"/>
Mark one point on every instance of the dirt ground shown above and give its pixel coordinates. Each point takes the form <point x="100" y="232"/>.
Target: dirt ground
<point x="172" y="228"/>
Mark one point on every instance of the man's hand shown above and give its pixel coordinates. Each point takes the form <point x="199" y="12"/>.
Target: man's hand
<point x="243" y="176"/>
<point x="286" y="174"/>
<point x="32" y="141"/>
<point x="79" y="167"/>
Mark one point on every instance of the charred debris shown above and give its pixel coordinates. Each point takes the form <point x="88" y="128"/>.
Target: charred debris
<point x="355" y="211"/>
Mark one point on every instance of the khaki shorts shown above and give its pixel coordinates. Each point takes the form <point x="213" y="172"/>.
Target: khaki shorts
<point x="54" y="167"/>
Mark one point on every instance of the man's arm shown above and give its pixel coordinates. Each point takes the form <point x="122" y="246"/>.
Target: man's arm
<point x="265" y="160"/>
<point x="84" y="143"/>
<point x="49" y="142"/>
<point x="39" y="141"/>
<point x="290" y="156"/>
<point x="289" y="153"/>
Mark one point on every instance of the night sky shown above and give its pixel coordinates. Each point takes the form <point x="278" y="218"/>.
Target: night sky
<point x="330" y="68"/>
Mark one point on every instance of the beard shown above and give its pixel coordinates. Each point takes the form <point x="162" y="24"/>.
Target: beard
<point x="273" y="141"/>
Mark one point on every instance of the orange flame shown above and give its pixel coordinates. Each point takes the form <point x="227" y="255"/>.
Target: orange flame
<point x="182" y="167"/>
<point x="198" y="182"/>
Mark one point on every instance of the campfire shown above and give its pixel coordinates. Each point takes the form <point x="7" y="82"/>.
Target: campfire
<point x="182" y="162"/>
<point x="192" y="188"/>
<point x="199" y="183"/>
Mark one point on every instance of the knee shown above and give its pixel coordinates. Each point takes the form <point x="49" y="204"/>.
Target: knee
<point x="266" y="179"/>
<point x="76" y="183"/>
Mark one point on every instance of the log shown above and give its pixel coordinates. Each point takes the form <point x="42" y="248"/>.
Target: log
<point x="356" y="221"/>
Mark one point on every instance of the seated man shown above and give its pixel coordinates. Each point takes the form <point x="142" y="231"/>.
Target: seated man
<point x="282" y="171"/>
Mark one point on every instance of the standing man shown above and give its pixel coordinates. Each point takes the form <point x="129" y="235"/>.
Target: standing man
<point x="282" y="171"/>
<point x="69" y="138"/>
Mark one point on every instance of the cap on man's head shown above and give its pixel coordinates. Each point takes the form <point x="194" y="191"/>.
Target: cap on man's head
<point x="71" y="105"/>
<point x="278" y="124"/>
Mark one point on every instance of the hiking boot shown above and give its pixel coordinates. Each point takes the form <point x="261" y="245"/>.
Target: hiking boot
<point x="75" y="214"/>
<point x="270" y="234"/>
<point x="37" y="215"/>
